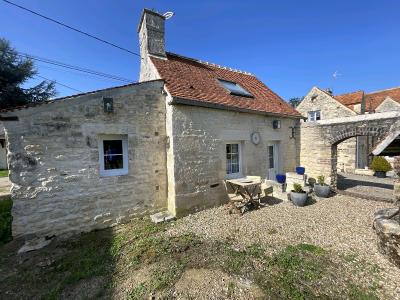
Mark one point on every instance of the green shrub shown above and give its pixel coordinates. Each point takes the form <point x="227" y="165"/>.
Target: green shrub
<point x="297" y="188"/>
<point x="5" y="221"/>
<point x="380" y="164"/>
<point x="321" y="180"/>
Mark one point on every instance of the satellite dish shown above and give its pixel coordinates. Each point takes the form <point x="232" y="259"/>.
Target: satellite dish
<point x="168" y="15"/>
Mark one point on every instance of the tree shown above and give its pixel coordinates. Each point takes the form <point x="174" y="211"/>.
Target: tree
<point x="295" y="101"/>
<point x="15" y="71"/>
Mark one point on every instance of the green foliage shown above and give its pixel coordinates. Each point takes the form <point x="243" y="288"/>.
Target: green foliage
<point x="5" y="221"/>
<point x="380" y="164"/>
<point x="15" y="71"/>
<point x="295" y="101"/>
<point x="321" y="180"/>
<point x="3" y="173"/>
<point x="358" y="293"/>
<point x="297" y="188"/>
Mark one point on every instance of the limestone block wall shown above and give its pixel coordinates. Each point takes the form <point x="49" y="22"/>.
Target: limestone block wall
<point x="315" y="151"/>
<point x="198" y="140"/>
<point x="3" y="157"/>
<point x="388" y="105"/>
<point x="330" y="108"/>
<point x="53" y="153"/>
<point x="346" y="155"/>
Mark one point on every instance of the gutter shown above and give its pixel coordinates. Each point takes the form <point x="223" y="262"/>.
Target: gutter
<point x="191" y="102"/>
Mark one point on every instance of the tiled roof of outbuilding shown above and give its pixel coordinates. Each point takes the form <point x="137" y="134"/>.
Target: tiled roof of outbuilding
<point x="197" y="81"/>
<point x="374" y="99"/>
<point x="350" y="99"/>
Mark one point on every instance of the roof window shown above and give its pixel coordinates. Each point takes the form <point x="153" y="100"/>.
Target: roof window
<point x="235" y="89"/>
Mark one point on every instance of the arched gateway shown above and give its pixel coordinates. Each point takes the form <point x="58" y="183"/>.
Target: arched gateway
<point x="319" y="140"/>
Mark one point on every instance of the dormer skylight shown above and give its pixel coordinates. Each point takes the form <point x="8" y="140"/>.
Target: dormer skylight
<point x="235" y="89"/>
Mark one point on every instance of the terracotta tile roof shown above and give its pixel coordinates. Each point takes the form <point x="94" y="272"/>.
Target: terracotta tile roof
<point x="194" y="80"/>
<point x="350" y="99"/>
<point x="374" y="99"/>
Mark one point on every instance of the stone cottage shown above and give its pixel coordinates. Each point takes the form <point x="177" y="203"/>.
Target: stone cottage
<point x="320" y="104"/>
<point x="168" y="142"/>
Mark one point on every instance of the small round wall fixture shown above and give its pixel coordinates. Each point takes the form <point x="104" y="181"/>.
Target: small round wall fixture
<point x="255" y="138"/>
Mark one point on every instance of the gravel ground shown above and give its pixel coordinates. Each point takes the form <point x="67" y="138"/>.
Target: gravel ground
<point x="341" y="223"/>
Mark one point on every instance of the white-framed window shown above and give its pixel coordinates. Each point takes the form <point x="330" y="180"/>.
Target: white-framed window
<point x="233" y="159"/>
<point x="113" y="155"/>
<point x="314" y="115"/>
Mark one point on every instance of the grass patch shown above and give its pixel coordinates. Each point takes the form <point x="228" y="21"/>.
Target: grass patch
<point x="3" y="173"/>
<point x="5" y="221"/>
<point x="120" y="255"/>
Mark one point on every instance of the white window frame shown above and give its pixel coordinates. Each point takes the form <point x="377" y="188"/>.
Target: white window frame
<point x="114" y="172"/>
<point x="312" y="115"/>
<point x="238" y="174"/>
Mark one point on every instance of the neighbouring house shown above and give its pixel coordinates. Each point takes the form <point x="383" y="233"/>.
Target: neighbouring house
<point x="353" y="153"/>
<point x="168" y="142"/>
<point x="3" y="150"/>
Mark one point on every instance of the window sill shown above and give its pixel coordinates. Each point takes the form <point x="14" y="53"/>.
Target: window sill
<point x="113" y="174"/>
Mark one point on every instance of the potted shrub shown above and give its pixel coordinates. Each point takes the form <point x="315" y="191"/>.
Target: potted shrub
<point x="321" y="188"/>
<point x="380" y="166"/>
<point x="298" y="196"/>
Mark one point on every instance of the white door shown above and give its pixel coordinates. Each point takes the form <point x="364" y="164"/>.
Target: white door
<point x="273" y="161"/>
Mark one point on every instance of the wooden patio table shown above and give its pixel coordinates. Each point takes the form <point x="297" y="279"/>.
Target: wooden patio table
<point x="249" y="188"/>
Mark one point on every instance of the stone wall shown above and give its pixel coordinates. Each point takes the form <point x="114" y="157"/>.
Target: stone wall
<point x="388" y="105"/>
<point x="54" y="161"/>
<point x="319" y="140"/>
<point x="330" y="108"/>
<point x="198" y="152"/>
<point x="3" y="157"/>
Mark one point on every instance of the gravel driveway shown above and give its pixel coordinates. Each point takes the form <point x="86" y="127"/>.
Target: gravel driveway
<point x="341" y="223"/>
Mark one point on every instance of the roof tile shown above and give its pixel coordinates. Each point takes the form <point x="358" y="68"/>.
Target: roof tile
<point x="192" y="79"/>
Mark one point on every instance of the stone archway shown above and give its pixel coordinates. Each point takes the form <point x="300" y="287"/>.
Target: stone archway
<point x="319" y="140"/>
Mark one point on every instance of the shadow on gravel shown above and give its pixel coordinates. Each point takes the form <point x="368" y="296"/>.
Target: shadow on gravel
<point x="347" y="183"/>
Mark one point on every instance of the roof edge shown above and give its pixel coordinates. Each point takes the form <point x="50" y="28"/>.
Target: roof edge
<point x="30" y="105"/>
<point x="191" y="102"/>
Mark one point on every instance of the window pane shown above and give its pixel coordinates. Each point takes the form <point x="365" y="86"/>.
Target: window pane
<point x="235" y="148"/>
<point x="235" y="168"/>
<point x="235" y="158"/>
<point x="232" y="158"/>
<point x="112" y="162"/>
<point x="228" y="148"/>
<point x="112" y="147"/>
<point x="235" y="88"/>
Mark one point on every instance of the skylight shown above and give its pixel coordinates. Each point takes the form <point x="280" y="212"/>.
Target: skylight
<point x="235" y="89"/>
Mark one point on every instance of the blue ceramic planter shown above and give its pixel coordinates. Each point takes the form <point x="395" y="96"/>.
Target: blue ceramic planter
<point x="280" y="178"/>
<point x="300" y="170"/>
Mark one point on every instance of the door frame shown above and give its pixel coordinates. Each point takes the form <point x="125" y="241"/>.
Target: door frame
<point x="276" y="158"/>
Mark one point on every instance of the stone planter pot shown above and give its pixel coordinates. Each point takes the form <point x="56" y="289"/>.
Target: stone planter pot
<point x="380" y="174"/>
<point x="298" y="199"/>
<point x="388" y="231"/>
<point x="322" y="190"/>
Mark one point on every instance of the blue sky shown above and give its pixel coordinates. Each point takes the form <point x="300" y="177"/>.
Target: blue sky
<point x="290" y="45"/>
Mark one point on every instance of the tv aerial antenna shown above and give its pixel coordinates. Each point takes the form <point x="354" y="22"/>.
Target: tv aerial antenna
<point x="168" y="15"/>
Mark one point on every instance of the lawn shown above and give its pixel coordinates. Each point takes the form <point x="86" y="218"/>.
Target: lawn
<point x="3" y="173"/>
<point x="139" y="260"/>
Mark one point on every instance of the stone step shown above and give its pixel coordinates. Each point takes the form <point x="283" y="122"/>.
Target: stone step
<point x="163" y="216"/>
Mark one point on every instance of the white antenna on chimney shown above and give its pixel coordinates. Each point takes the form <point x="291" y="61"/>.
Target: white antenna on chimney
<point x="168" y="15"/>
<point x="336" y="75"/>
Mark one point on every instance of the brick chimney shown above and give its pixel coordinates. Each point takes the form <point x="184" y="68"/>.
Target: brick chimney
<point x="152" y="34"/>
